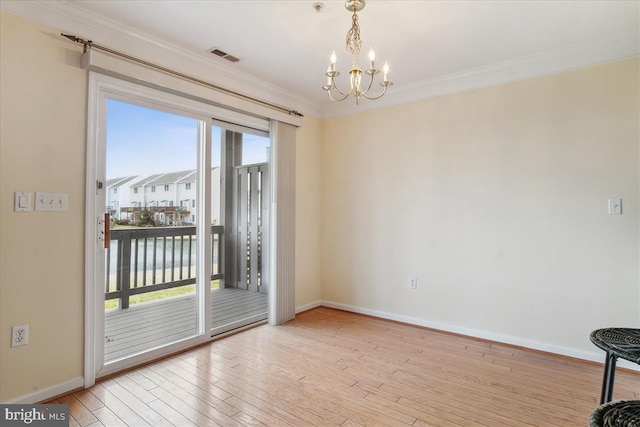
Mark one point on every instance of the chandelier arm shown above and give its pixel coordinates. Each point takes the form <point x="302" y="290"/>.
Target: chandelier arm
<point x="335" y="86"/>
<point x="372" y="98"/>
<point x="364" y="92"/>
<point x="337" y="99"/>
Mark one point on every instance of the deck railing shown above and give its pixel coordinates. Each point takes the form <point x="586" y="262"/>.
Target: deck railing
<point x="142" y="260"/>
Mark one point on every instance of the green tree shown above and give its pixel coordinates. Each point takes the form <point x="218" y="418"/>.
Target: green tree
<point x="146" y="219"/>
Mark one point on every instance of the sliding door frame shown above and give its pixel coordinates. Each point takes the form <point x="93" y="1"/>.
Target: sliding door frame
<point x="101" y="89"/>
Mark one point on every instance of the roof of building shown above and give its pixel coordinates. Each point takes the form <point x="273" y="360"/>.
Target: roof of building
<point x="158" y="178"/>
<point x="147" y="179"/>
<point x="169" y="177"/>
<point x="113" y="182"/>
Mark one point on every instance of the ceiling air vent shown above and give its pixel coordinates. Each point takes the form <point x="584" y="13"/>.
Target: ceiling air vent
<point x="224" y="55"/>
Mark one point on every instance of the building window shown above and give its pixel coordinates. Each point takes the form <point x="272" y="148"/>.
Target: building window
<point x="187" y="186"/>
<point x="153" y="188"/>
<point x="115" y="190"/>
<point x="135" y="190"/>
<point x="166" y="187"/>
<point x="193" y="203"/>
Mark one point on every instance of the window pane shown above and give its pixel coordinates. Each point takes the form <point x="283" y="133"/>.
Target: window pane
<point x="255" y="149"/>
<point x="151" y="265"/>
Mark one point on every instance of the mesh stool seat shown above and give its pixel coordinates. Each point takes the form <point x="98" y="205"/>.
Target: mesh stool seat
<point x="623" y="413"/>
<point x="616" y="342"/>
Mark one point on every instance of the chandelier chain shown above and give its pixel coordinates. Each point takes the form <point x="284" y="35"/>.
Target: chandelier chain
<point x="353" y="36"/>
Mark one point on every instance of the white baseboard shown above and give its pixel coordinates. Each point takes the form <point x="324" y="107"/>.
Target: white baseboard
<point x="595" y="356"/>
<point x="48" y="392"/>
<point x="308" y="306"/>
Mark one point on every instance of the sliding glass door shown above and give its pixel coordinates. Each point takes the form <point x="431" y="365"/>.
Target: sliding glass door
<point x="152" y="202"/>
<point x="151" y="264"/>
<point x="177" y="223"/>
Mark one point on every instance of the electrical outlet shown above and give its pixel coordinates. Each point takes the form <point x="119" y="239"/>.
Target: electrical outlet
<point x="19" y="335"/>
<point x="615" y="206"/>
<point x="413" y="282"/>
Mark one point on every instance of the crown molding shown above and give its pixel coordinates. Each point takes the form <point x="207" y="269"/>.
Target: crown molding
<point x="580" y="55"/>
<point x="67" y="17"/>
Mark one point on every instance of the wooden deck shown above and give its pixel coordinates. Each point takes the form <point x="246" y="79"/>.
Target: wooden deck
<point x="149" y="325"/>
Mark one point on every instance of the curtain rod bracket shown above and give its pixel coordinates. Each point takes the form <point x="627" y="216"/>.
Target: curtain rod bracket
<point x="86" y="44"/>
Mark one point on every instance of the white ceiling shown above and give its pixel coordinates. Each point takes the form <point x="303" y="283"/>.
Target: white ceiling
<point x="426" y="43"/>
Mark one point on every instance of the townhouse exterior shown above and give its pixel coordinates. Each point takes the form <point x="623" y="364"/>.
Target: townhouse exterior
<point x="171" y="197"/>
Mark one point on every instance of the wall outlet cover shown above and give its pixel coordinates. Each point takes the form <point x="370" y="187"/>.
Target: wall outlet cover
<point x="19" y="335"/>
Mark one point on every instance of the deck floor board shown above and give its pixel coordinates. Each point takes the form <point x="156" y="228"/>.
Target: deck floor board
<point x="149" y="325"/>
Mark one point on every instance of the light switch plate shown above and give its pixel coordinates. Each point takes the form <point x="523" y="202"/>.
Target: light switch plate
<point x="52" y="202"/>
<point x="21" y="201"/>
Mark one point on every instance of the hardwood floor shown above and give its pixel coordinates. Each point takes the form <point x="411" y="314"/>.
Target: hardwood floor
<point x="329" y="367"/>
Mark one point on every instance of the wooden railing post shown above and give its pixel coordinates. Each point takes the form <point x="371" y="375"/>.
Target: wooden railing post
<point x="124" y="269"/>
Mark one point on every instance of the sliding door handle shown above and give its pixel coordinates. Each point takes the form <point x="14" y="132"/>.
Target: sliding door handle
<point x="107" y="231"/>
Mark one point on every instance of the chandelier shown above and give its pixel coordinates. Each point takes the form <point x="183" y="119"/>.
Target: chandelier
<point x="355" y="73"/>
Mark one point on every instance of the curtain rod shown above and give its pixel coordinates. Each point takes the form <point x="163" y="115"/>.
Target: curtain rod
<point x="89" y="44"/>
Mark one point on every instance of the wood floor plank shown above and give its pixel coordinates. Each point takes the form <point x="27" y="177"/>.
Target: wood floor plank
<point x="73" y="422"/>
<point x="171" y="414"/>
<point x="119" y="408"/>
<point x="134" y="403"/>
<point x="424" y="413"/>
<point x="107" y="417"/>
<point x="81" y="413"/>
<point x="198" y="385"/>
<point x="207" y="404"/>
<point x="333" y="368"/>
<point x="256" y="412"/>
<point x="134" y="388"/>
<point x="247" y="420"/>
<point x="197" y="411"/>
<point x="277" y="407"/>
<point x="501" y="386"/>
<point x="88" y="400"/>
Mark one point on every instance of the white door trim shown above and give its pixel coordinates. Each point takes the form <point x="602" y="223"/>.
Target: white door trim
<point x="101" y="88"/>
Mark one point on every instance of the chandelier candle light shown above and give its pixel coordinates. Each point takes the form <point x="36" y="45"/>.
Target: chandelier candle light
<point x="355" y="73"/>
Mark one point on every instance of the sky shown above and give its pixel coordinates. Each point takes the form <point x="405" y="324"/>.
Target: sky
<point x="144" y="141"/>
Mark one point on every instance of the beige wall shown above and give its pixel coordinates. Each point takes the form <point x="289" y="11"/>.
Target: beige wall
<point x="496" y="200"/>
<point x="42" y="125"/>
<point x="308" y="212"/>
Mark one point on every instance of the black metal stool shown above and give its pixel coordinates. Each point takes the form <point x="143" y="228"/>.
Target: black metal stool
<point x="617" y="342"/>
<point x="623" y="413"/>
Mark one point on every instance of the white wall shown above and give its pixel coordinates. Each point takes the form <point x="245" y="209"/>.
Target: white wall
<point x="496" y="200"/>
